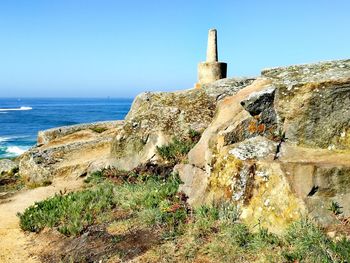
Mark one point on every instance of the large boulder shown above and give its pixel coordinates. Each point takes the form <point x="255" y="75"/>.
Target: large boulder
<point x="279" y="148"/>
<point x="69" y="151"/>
<point x="155" y="118"/>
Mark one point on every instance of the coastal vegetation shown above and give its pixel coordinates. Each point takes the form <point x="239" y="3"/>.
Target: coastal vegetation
<point x="11" y="181"/>
<point x="99" y="129"/>
<point x="127" y="204"/>
<point x="176" y="151"/>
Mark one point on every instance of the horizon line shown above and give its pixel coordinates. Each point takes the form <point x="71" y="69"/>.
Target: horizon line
<point x="108" y="97"/>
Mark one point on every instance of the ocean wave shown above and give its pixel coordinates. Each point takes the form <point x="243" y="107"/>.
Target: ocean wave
<point x="12" y="138"/>
<point x="16" y="150"/>
<point x="5" y="139"/>
<point x="17" y="109"/>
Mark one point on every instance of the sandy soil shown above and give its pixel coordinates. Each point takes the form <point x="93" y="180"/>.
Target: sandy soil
<point x="15" y="245"/>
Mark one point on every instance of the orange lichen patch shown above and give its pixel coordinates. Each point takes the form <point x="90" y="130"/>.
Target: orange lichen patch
<point x="261" y="128"/>
<point x="256" y="127"/>
<point x="197" y="86"/>
<point x="252" y="128"/>
<point x="228" y="192"/>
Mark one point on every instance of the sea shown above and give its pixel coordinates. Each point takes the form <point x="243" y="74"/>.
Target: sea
<point x="22" y="118"/>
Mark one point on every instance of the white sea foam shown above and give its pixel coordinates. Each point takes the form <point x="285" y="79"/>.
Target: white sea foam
<point x="17" y="109"/>
<point x="15" y="150"/>
<point x="5" y="139"/>
<point x="11" y="138"/>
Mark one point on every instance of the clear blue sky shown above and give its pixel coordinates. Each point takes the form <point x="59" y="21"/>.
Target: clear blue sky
<point x="100" y="48"/>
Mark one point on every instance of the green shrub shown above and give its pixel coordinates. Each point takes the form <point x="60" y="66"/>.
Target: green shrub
<point x="99" y="129"/>
<point x="207" y="212"/>
<point x="335" y="208"/>
<point x="228" y="212"/>
<point x="341" y="249"/>
<point x="160" y="199"/>
<point x="33" y="185"/>
<point x="194" y="135"/>
<point x="177" y="150"/>
<point x="70" y="213"/>
<point x="95" y="178"/>
<point x="154" y="202"/>
<point x="307" y="243"/>
<point x="263" y="239"/>
<point x="11" y="181"/>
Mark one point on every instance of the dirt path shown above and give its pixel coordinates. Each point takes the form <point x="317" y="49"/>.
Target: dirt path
<point x="15" y="245"/>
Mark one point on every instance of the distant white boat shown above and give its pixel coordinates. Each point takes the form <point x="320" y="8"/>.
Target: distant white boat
<point x="17" y="109"/>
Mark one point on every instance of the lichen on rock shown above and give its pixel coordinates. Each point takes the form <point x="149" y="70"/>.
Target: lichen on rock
<point x="68" y="151"/>
<point x="292" y="125"/>
<point x="155" y="118"/>
<point x="277" y="146"/>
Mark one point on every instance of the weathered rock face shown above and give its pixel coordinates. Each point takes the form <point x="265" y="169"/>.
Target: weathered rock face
<point x="157" y="117"/>
<point x="7" y="166"/>
<point x="153" y="120"/>
<point x="69" y="151"/>
<point x="313" y="103"/>
<point x="279" y="148"/>
<point x="50" y="135"/>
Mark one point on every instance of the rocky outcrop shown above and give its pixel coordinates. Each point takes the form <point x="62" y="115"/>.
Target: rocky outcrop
<point x="279" y="148"/>
<point x="155" y="118"/>
<point x="7" y="166"/>
<point x="69" y="151"/>
<point x="46" y="136"/>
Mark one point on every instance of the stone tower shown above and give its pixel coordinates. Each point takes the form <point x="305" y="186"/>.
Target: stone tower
<point x="211" y="69"/>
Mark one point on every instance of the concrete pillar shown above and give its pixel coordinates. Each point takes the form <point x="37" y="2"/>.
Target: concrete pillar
<point x="211" y="70"/>
<point x="212" y="49"/>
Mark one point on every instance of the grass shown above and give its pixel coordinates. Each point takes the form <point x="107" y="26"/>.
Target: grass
<point x="11" y="181"/>
<point x="99" y="129"/>
<point x="177" y="150"/>
<point x="130" y="203"/>
<point x="209" y="238"/>
<point x="308" y="243"/>
<point x="335" y="208"/>
<point x="70" y="213"/>
<point x="32" y="185"/>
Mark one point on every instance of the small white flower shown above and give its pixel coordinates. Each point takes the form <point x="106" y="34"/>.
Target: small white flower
<point x="267" y="202"/>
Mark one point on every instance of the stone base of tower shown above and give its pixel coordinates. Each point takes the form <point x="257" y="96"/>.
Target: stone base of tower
<point x="211" y="71"/>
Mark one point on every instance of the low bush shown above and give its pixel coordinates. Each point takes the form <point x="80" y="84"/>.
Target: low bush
<point x="308" y="243"/>
<point x="99" y="129"/>
<point x="335" y="208"/>
<point x="70" y="213"/>
<point x="11" y="181"/>
<point x="32" y="185"/>
<point x="211" y="233"/>
<point x="177" y="150"/>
